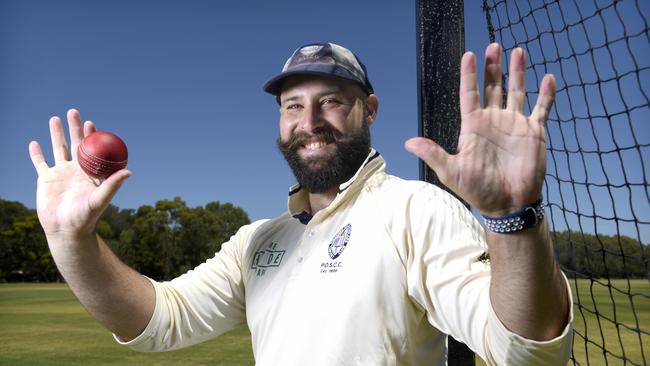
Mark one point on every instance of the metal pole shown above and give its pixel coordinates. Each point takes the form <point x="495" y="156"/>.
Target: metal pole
<point x="440" y="45"/>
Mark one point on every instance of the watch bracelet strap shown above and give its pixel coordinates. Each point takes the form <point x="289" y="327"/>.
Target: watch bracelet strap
<point x="529" y="216"/>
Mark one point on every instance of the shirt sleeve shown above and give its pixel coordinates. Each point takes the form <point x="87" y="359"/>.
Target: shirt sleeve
<point x="447" y="279"/>
<point x="200" y="304"/>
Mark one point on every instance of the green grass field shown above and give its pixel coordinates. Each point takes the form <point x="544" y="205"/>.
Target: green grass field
<point x="43" y="324"/>
<point x="618" y="342"/>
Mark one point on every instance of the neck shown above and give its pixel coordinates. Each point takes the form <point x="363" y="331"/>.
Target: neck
<point x="318" y="201"/>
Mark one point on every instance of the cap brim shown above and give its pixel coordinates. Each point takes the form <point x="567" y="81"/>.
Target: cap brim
<point x="274" y="85"/>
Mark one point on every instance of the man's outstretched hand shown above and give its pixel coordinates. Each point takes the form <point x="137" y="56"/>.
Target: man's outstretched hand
<point x="500" y="163"/>
<point x="68" y="202"/>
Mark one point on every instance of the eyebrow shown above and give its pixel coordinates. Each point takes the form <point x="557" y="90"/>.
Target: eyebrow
<point x="332" y="90"/>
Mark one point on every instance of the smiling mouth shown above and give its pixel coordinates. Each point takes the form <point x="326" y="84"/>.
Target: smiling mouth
<point x="314" y="145"/>
<point x="313" y="142"/>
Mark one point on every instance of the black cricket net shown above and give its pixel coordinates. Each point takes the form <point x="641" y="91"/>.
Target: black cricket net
<point x="598" y="150"/>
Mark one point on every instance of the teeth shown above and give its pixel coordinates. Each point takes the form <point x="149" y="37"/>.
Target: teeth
<point x="314" y="145"/>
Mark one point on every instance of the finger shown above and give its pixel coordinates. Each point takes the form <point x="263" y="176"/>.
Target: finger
<point x="545" y="99"/>
<point x="108" y="188"/>
<point x="470" y="98"/>
<point x="59" y="145"/>
<point x="431" y="153"/>
<point x="76" y="131"/>
<point x="89" y="127"/>
<point x="36" y="154"/>
<point x="493" y="84"/>
<point x="517" y="81"/>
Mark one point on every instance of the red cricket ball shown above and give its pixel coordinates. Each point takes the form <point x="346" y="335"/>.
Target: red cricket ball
<point x="101" y="154"/>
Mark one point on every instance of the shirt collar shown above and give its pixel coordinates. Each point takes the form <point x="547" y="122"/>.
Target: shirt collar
<point x="299" y="198"/>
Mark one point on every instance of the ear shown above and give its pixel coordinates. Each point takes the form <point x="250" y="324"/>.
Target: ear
<point x="372" y="104"/>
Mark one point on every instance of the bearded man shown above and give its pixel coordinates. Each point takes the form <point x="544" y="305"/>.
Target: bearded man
<point x="364" y="268"/>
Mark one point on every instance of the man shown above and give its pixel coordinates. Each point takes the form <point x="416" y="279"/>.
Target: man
<point x="364" y="268"/>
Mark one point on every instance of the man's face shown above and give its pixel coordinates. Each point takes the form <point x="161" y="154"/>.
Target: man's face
<point x="324" y="131"/>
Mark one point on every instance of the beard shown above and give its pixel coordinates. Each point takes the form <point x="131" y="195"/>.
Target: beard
<point x="320" y="174"/>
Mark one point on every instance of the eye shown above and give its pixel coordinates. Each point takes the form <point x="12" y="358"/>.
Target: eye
<point x="293" y="106"/>
<point x="330" y="102"/>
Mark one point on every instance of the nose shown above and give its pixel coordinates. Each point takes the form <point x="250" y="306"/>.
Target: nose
<point x="312" y="118"/>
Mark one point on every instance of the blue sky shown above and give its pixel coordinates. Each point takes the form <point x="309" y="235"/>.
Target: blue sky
<point x="180" y="82"/>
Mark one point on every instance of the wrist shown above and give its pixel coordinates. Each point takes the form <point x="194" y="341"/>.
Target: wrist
<point x="528" y="216"/>
<point x="70" y="237"/>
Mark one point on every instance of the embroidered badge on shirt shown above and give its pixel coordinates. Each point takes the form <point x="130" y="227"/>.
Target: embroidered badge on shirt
<point x="339" y="242"/>
<point x="269" y="257"/>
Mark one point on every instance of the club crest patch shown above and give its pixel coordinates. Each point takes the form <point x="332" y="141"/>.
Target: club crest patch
<point x="339" y="242"/>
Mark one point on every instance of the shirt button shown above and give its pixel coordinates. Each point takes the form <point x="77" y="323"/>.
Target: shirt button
<point x="311" y="233"/>
<point x="299" y="259"/>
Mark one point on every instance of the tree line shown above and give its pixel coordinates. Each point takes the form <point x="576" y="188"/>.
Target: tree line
<point x="160" y="241"/>
<point x="169" y="238"/>
<point x="601" y="256"/>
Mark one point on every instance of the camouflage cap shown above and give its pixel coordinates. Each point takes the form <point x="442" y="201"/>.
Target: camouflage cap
<point x="325" y="59"/>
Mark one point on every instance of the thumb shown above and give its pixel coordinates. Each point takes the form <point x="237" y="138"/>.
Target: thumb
<point x="108" y="188"/>
<point x="430" y="152"/>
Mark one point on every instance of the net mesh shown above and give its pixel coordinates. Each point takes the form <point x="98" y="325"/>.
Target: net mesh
<point x="596" y="185"/>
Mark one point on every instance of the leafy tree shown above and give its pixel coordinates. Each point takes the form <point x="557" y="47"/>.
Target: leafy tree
<point x="10" y="211"/>
<point x="160" y="241"/>
<point x="24" y="255"/>
<point x="170" y="238"/>
<point x="204" y="229"/>
<point x="602" y="255"/>
<point x="117" y="219"/>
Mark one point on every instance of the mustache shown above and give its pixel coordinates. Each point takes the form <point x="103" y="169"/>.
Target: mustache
<point x="298" y="139"/>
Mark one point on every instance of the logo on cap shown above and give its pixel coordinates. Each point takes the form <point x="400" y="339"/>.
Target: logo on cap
<point x="308" y="50"/>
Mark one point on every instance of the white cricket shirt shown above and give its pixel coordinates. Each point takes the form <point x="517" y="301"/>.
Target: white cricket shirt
<point x="377" y="278"/>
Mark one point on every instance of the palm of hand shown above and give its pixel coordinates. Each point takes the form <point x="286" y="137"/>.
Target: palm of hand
<point x="501" y="159"/>
<point x="69" y="202"/>
<point x="498" y="151"/>
<point x="65" y="198"/>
